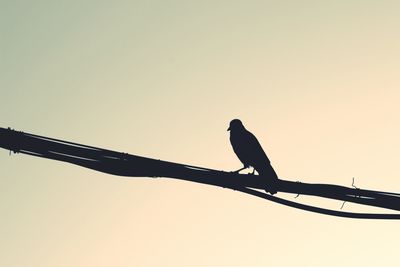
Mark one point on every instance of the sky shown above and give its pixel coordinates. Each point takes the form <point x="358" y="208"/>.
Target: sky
<point x="316" y="81"/>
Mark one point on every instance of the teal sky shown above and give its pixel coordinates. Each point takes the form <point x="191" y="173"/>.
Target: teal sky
<point x="316" y="81"/>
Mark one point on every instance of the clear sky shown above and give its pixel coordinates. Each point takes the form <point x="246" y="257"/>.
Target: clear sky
<point x="316" y="81"/>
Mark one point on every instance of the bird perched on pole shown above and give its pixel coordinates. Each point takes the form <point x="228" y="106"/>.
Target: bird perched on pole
<point x="250" y="153"/>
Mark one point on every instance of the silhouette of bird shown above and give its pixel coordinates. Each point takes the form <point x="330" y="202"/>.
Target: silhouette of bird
<point x="250" y="153"/>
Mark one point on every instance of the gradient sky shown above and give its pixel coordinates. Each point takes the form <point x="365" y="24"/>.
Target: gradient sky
<point x="316" y="81"/>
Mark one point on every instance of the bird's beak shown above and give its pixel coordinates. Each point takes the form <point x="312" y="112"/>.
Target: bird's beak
<point x="229" y="129"/>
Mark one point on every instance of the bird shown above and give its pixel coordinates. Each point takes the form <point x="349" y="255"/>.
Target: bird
<point x="251" y="154"/>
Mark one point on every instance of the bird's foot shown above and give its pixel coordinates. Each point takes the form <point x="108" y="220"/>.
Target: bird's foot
<point x="239" y="170"/>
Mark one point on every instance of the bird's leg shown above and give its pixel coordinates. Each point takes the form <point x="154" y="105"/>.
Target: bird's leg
<point x="240" y="169"/>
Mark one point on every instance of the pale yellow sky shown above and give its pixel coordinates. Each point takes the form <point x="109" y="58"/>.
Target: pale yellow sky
<point x="316" y="81"/>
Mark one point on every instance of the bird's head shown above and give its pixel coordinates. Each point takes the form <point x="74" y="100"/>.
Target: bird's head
<point x="235" y="125"/>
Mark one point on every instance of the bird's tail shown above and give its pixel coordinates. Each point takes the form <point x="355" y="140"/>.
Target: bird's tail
<point x="268" y="171"/>
<point x="272" y="178"/>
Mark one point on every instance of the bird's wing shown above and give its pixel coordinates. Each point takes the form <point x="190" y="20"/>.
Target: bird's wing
<point x="256" y="151"/>
<point x="241" y="149"/>
<point x="259" y="159"/>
